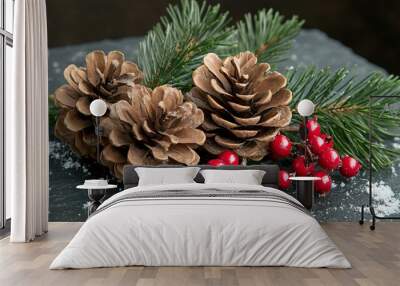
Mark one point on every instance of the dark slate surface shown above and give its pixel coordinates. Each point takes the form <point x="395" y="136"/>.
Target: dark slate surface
<point x="311" y="47"/>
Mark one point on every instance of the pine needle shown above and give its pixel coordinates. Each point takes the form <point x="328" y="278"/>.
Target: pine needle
<point x="267" y="34"/>
<point x="342" y="106"/>
<point x="177" y="45"/>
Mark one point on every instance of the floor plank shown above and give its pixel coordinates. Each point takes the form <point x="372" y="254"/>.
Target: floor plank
<point x="375" y="257"/>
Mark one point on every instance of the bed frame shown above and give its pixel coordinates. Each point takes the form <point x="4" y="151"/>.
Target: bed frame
<point x="270" y="179"/>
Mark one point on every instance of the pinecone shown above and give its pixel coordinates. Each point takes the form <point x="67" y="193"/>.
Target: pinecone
<point x="244" y="104"/>
<point x="108" y="77"/>
<point x="155" y="127"/>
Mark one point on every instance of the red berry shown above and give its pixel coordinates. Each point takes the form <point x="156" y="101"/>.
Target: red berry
<point x="281" y="146"/>
<point x="313" y="127"/>
<point x="298" y="162"/>
<point x="299" y="166"/>
<point x="329" y="159"/>
<point x="318" y="144"/>
<point x="229" y="157"/>
<point x="283" y="180"/>
<point x="324" y="185"/>
<point x="350" y="167"/>
<point x="328" y="140"/>
<point x="216" y="162"/>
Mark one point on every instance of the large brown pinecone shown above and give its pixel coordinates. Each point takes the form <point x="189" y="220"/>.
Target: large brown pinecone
<point x="155" y="127"/>
<point x="244" y="104"/>
<point x="108" y="77"/>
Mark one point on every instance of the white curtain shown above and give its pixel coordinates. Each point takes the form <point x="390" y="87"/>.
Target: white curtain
<point x="27" y="124"/>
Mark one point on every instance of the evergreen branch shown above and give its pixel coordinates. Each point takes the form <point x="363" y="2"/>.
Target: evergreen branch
<point x="267" y="34"/>
<point x="177" y="45"/>
<point x="342" y="106"/>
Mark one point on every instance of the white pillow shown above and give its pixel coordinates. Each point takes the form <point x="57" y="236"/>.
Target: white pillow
<point x="247" y="177"/>
<point x="166" y="176"/>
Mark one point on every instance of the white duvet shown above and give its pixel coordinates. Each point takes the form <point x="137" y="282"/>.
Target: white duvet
<point x="200" y="231"/>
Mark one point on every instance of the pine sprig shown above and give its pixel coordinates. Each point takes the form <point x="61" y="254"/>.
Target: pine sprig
<point x="267" y="34"/>
<point x="342" y="106"/>
<point x="177" y="45"/>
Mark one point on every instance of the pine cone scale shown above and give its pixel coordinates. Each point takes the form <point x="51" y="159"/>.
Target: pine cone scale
<point x="262" y="99"/>
<point x="253" y="151"/>
<point x="137" y="156"/>
<point x="137" y="132"/>
<point x="247" y="121"/>
<point x="244" y="103"/>
<point x="213" y="148"/>
<point x="113" y="67"/>
<point x="239" y="107"/>
<point x="108" y="124"/>
<point x="246" y="97"/>
<point x="68" y="77"/>
<point x="95" y="81"/>
<point x="277" y="117"/>
<point x="214" y="103"/>
<point x="85" y="88"/>
<point x="106" y="91"/>
<point x="222" y="122"/>
<point x="149" y="131"/>
<point x="61" y="131"/>
<point x="267" y="135"/>
<point x="184" y="154"/>
<point x="218" y="89"/>
<point x="89" y="137"/>
<point x="214" y="64"/>
<point x="81" y="146"/>
<point x="228" y="142"/>
<point x="113" y="154"/>
<point x="120" y="138"/>
<point x="187" y="136"/>
<point x="83" y="105"/>
<point x="273" y="82"/>
<point x="66" y="96"/>
<point x="209" y="125"/>
<point x="161" y="126"/>
<point x="202" y="79"/>
<point x="132" y="69"/>
<point x="75" y="122"/>
<point x="158" y="152"/>
<point x="112" y="73"/>
<point x="122" y="109"/>
<point x="119" y="169"/>
<point x="78" y="75"/>
<point x="244" y="133"/>
<point x="282" y="98"/>
<point x="95" y="61"/>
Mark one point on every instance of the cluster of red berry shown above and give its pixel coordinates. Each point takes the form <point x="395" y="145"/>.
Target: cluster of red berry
<point x="316" y="148"/>
<point x="227" y="157"/>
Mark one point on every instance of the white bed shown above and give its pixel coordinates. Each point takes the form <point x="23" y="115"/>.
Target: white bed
<point x="203" y="225"/>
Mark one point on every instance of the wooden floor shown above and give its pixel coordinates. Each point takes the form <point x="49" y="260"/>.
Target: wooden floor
<point x="375" y="257"/>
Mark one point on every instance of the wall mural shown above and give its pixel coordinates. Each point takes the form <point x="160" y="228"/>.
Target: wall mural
<point x="188" y="92"/>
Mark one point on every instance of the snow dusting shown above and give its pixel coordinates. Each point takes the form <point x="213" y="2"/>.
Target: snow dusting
<point x="385" y="201"/>
<point x="61" y="152"/>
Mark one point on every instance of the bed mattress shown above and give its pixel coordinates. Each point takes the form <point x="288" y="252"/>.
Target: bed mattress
<point x="201" y="225"/>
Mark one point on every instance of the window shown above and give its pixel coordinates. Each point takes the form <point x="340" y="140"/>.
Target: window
<point x="6" y="45"/>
